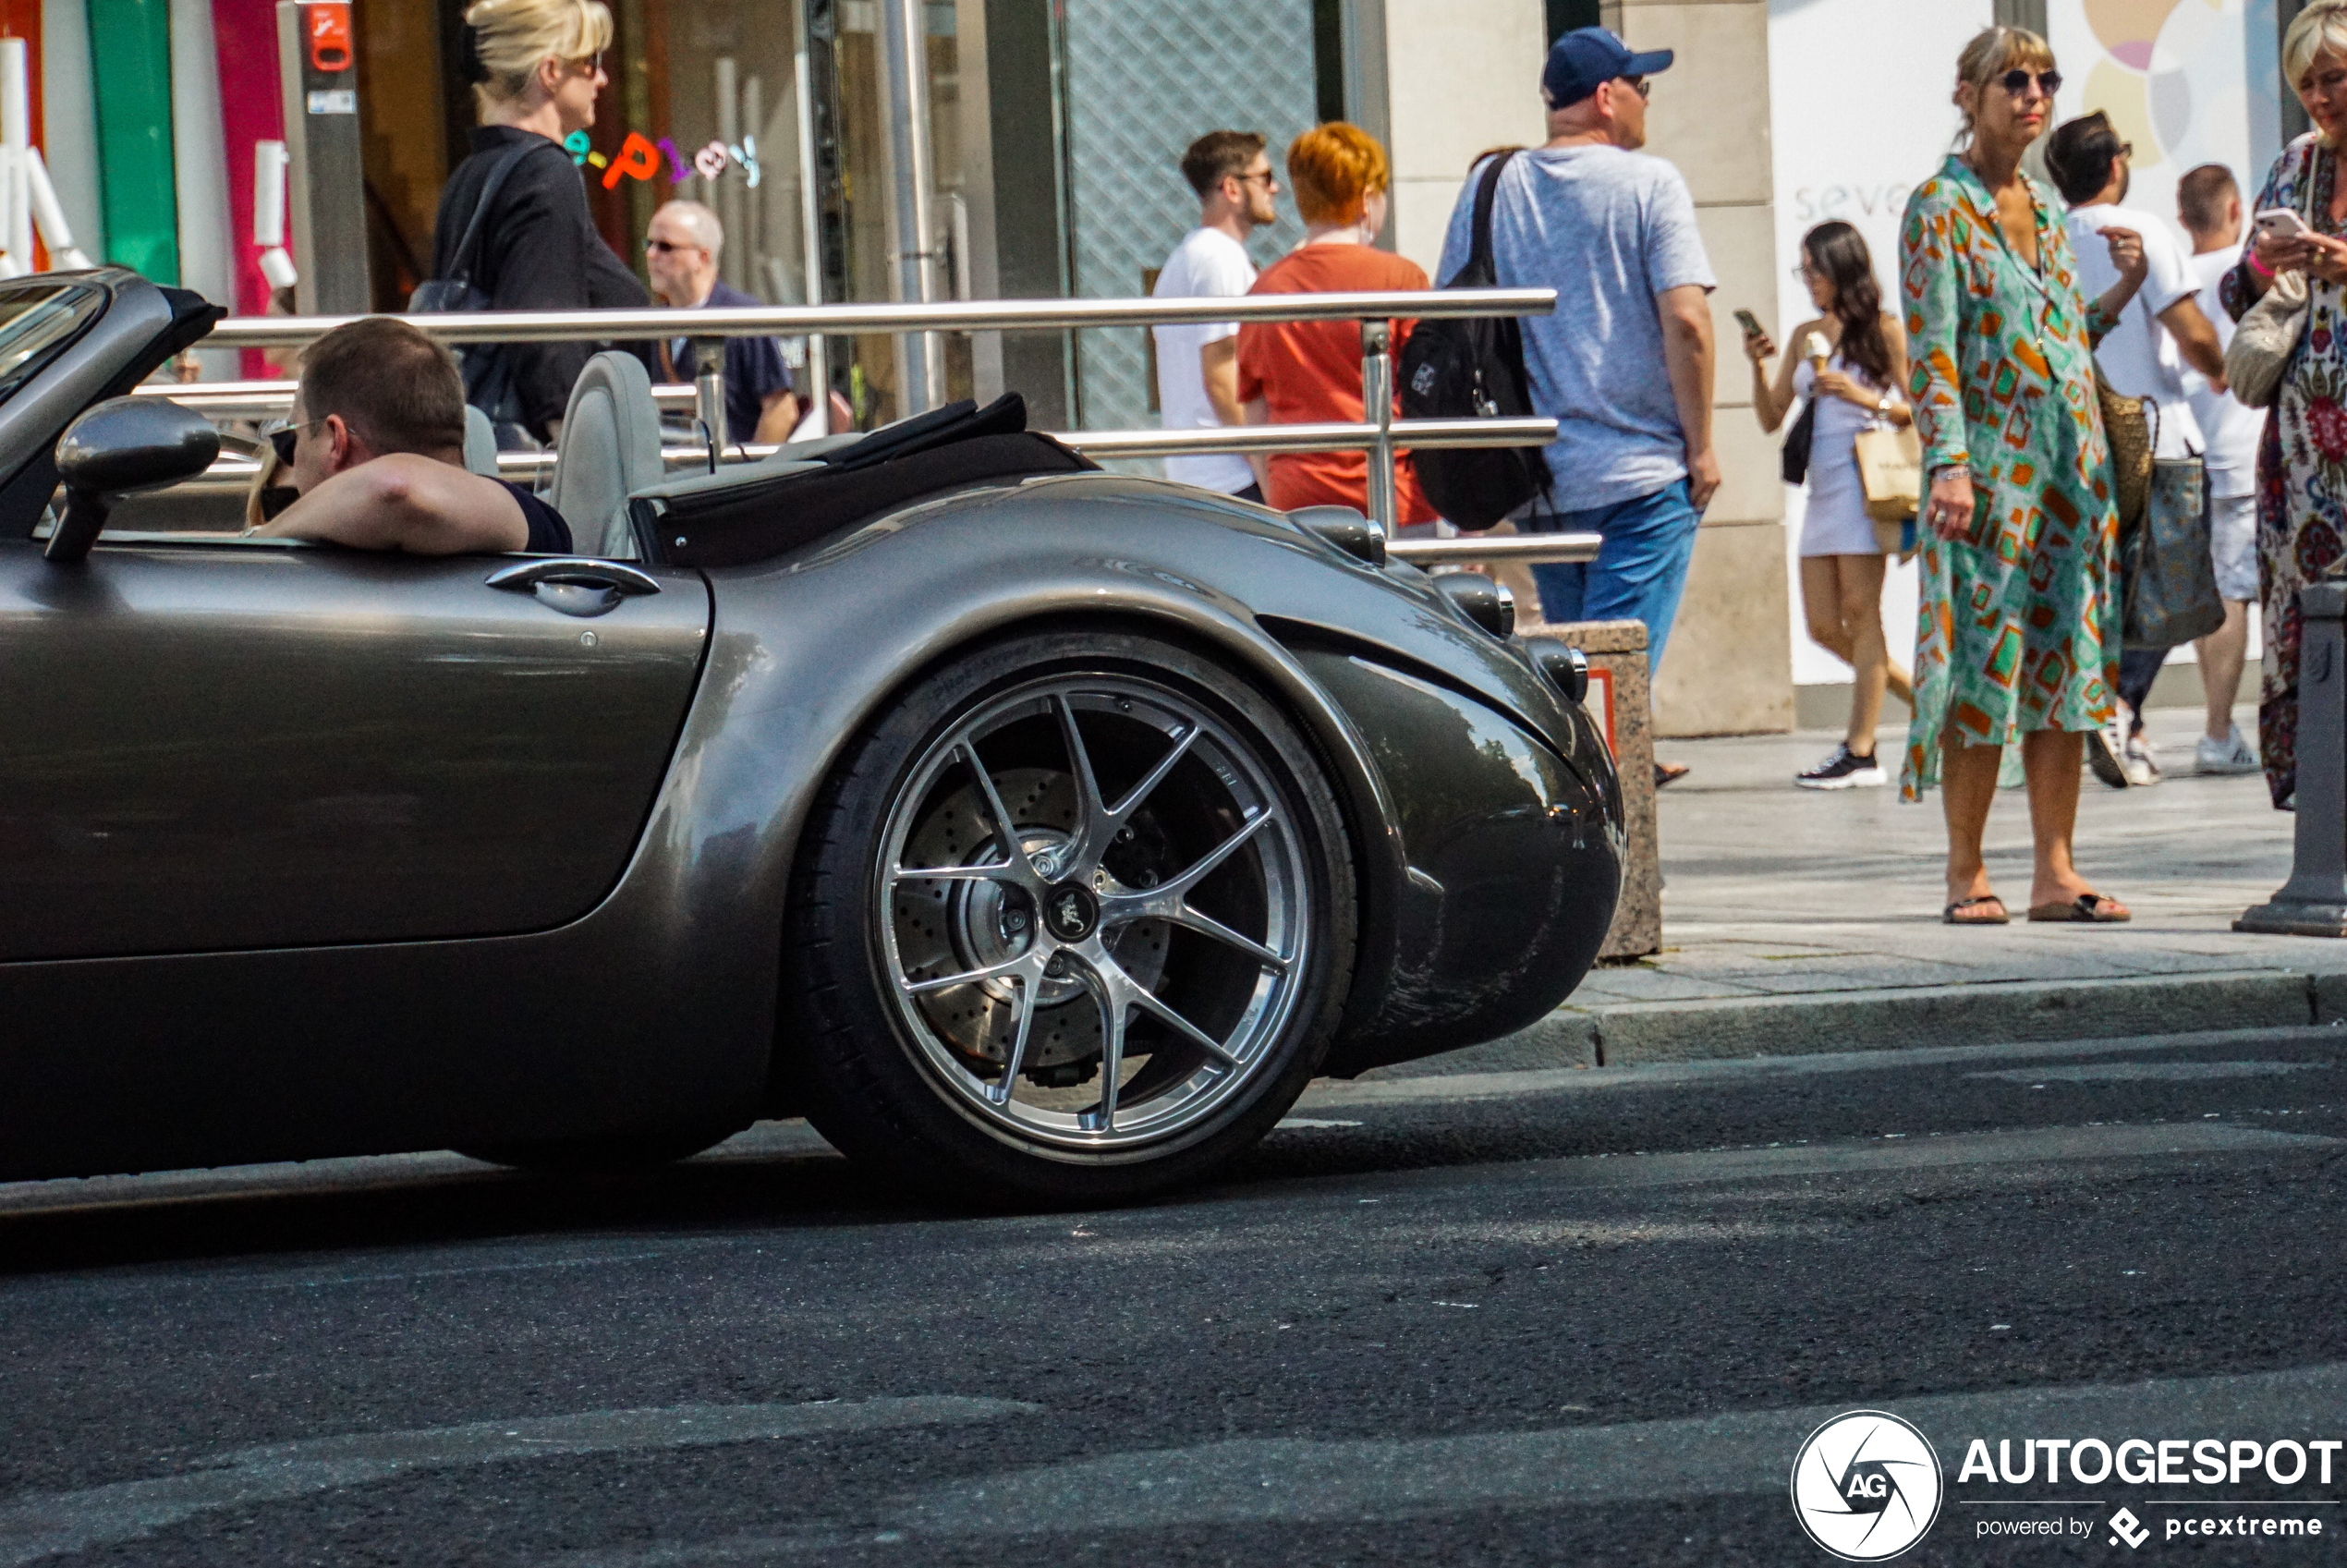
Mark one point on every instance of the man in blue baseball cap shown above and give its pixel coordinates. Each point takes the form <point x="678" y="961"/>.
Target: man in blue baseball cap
<point x="1590" y="58"/>
<point x="1625" y="365"/>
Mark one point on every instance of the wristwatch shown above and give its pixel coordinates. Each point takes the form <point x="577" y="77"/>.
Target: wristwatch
<point x="1883" y="407"/>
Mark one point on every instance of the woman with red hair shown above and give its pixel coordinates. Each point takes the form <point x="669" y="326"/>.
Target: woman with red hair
<point x="1303" y="373"/>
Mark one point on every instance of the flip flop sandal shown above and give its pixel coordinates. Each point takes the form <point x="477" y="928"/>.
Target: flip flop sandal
<point x="2001" y="917"/>
<point x="2083" y="910"/>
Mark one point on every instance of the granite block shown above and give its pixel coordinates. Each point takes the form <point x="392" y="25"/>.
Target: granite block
<point x="1624" y="709"/>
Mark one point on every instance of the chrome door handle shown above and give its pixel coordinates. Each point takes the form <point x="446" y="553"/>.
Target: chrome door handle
<point x="575" y="585"/>
<point x="620" y="578"/>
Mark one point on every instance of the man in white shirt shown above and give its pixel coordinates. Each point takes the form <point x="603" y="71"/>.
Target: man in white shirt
<point x="2160" y="332"/>
<point x="2209" y="205"/>
<point x="1198" y="374"/>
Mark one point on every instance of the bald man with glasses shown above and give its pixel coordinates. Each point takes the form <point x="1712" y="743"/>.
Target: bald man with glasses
<point x="681" y="248"/>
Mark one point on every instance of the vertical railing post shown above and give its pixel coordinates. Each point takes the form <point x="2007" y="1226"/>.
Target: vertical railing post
<point x="2314" y="901"/>
<point x="708" y="388"/>
<point x="904" y="29"/>
<point x="1377" y="398"/>
<point x="817" y="388"/>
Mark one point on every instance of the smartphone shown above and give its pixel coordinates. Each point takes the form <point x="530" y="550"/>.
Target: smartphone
<point x="2281" y="223"/>
<point x="1750" y="324"/>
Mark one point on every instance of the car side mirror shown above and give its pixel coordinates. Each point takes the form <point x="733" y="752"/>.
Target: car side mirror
<point x="121" y="445"/>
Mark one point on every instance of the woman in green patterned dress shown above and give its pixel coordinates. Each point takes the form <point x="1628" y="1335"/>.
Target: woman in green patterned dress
<point x="2017" y="634"/>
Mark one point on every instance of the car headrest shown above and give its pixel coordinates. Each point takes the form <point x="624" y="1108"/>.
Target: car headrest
<point x="480" y="443"/>
<point x="610" y="448"/>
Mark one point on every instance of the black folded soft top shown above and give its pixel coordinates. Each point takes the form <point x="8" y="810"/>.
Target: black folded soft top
<point x="759" y="512"/>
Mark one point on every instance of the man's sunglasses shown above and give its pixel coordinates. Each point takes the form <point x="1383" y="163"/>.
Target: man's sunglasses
<point x="1270" y="181"/>
<point x="666" y="247"/>
<point x="283" y="435"/>
<point x="1638" y="85"/>
<point x="2017" y="82"/>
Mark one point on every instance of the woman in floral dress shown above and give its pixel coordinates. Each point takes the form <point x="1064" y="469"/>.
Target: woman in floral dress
<point x="2017" y="635"/>
<point x="2301" y="459"/>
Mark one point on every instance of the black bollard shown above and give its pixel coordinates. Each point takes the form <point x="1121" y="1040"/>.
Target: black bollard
<point x="2314" y="901"/>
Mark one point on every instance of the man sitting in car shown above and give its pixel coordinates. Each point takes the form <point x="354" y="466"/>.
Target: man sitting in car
<point x="375" y="450"/>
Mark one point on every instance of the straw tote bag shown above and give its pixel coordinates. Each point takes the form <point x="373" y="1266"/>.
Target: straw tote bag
<point x="2127" y="427"/>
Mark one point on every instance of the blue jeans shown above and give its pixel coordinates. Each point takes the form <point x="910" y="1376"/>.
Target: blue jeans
<point x="1640" y="569"/>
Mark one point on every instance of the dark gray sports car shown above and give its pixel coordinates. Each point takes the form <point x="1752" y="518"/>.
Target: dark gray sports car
<point x="1037" y="831"/>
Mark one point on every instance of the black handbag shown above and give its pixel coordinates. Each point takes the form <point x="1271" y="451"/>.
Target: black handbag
<point x="488" y="367"/>
<point x="1794" y="461"/>
<point x="1473" y="369"/>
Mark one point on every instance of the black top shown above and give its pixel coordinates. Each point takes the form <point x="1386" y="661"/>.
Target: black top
<point x="539" y="251"/>
<point x="548" y="535"/>
<point x="754" y="368"/>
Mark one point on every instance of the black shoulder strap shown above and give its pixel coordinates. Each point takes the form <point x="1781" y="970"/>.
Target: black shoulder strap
<point x="1480" y="271"/>
<point x="467" y="254"/>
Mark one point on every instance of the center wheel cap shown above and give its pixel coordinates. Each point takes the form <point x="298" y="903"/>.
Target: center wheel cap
<point x="1071" y="912"/>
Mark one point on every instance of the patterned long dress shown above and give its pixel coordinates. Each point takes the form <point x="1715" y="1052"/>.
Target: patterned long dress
<point x="2302" y="460"/>
<point x="2017" y="629"/>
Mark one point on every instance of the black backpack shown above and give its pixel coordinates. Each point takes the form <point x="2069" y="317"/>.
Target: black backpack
<point x="1473" y="369"/>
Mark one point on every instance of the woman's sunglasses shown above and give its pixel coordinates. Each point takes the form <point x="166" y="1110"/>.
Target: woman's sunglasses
<point x="2017" y="82"/>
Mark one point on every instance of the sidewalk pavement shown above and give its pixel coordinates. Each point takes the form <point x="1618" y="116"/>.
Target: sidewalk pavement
<point x="1796" y="922"/>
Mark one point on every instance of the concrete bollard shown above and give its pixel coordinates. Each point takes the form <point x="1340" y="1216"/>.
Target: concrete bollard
<point x="2314" y="901"/>
<point x="1620" y="701"/>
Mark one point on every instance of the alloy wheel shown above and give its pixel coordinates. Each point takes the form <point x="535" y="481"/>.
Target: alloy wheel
<point x="1097" y="912"/>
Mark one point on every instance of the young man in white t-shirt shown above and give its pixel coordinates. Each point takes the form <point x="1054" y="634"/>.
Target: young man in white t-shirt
<point x="1198" y="377"/>
<point x="2160" y="334"/>
<point x="2209" y="205"/>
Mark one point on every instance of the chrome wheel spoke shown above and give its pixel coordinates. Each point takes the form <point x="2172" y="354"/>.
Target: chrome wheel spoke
<point x="1020" y="866"/>
<point x="999" y="1093"/>
<point x="1124" y="810"/>
<point x="1093" y="829"/>
<point x="1159" y="1010"/>
<point x="1115" y="1005"/>
<point x="994" y="872"/>
<point x="1174" y="887"/>
<point x="1206" y="925"/>
<point x="969" y="976"/>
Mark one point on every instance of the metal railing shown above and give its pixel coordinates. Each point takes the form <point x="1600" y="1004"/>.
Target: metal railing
<point x="1382" y="435"/>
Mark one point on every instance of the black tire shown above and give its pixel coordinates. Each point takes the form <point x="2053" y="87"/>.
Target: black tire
<point x="904" y="1095"/>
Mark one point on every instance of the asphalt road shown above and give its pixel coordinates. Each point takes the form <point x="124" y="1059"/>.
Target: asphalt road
<point x="1561" y="1317"/>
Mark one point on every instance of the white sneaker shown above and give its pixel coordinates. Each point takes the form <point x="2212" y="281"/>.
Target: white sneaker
<point x="2231" y="755"/>
<point x="2140" y="761"/>
<point x="2105" y="746"/>
<point x="1843" y="768"/>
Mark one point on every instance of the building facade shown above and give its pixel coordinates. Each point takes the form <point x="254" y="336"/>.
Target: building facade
<point x="1051" y="131"/>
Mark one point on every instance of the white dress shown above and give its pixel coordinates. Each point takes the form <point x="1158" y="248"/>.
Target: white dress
<point x="1834" y="522"/>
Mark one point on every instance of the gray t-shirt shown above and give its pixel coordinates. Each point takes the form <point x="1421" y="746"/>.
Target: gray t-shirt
<point x="1609" y="230"/>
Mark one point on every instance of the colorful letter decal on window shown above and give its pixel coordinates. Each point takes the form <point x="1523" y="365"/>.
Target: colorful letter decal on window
<point x="640" y="159"/>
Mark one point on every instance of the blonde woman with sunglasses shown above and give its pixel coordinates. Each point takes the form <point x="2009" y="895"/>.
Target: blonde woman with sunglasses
<point x="536" y="68"/>
<point x="2017" y="634"/>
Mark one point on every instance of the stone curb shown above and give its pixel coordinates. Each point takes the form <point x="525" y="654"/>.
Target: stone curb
<point x="1986" y="1013"/>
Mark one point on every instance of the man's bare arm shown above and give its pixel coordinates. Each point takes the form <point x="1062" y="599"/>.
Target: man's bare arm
<point x="1219" y="362"/>
<point x="1686" y="351"/>
<point x="404" y="502"/>
<point x="777" y="417"/>
<point x="1257" y="413"/>
<point x="2195" y="339"/>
